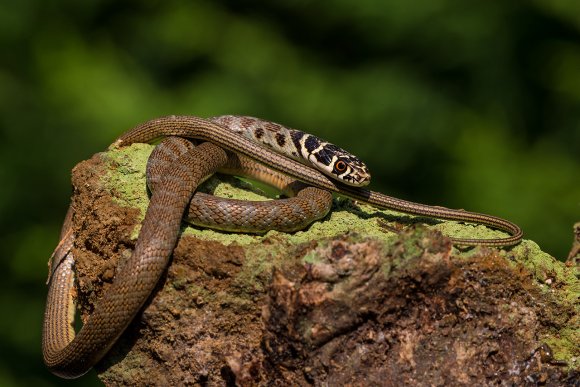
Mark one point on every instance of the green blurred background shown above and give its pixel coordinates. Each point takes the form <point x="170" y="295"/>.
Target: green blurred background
<point x="471" y="105"/>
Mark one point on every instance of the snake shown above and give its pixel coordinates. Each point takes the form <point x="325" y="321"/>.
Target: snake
<point x="300" y="163"/>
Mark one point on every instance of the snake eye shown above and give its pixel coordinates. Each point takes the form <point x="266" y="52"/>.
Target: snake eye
<point x="340" y="166"/>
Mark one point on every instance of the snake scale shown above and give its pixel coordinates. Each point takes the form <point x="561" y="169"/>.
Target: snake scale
<point x="227" y="143"/>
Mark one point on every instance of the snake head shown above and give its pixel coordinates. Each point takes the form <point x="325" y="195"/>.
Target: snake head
<point x="350" y="171"/>
<point x="340" y="165"/>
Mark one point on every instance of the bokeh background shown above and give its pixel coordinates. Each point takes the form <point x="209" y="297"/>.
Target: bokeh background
<point x="471" y="105"/>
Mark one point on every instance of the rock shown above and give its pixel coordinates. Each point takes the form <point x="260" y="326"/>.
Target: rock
<point x="347" y="301"/>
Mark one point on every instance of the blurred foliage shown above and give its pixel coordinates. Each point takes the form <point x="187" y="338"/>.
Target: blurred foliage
<point x="471" y="105"/>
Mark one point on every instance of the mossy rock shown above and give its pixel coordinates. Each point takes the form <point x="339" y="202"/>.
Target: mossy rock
<point x="364" y="297"/>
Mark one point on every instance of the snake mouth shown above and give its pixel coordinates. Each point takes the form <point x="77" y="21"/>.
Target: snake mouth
<point x="356" y="181"/>
<point x="364" y="182"/>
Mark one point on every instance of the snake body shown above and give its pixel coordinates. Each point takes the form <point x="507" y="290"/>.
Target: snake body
<point x="201" y="129"/>
<point x="70" y="356"/>
<point x="304" y="205"/>
<point x="302" y="147"/>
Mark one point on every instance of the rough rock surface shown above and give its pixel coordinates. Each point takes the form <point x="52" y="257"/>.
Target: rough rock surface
<point x="363" y="297"/>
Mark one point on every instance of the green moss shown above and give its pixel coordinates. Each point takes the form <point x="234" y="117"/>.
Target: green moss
<point x="560" y="283"/>
<point x="549" y="273"/>
<point x="127" y="175"/>
<point x="564" y="346"/>
<point x="465" y="230"/>
<point x="312" y="258"/>
<point x="127" y="179"/>
<point x="543" y="265"/>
